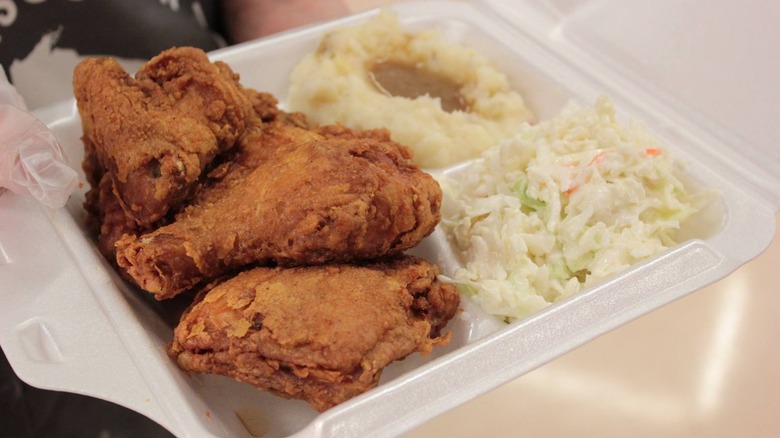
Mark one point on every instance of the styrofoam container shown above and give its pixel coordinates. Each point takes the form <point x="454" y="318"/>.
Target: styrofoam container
<point x="67" y="322"/>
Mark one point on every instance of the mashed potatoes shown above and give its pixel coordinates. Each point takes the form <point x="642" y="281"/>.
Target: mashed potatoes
<point x="359" y="76"/>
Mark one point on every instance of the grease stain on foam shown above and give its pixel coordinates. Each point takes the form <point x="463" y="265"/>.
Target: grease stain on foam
<point x="254" y="420"/>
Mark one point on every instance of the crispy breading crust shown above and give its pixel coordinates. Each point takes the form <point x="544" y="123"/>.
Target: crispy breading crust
<point x="154" y="134"/>
<point x="322" y="334"/>
<point x="323" y="196"/>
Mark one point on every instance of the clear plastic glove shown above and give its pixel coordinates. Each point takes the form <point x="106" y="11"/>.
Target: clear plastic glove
<point x="31" y="160"/>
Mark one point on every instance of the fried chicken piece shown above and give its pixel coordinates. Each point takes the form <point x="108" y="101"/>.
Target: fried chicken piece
<point x="105" y="216"/>
<point x="267" y="129"/>
<point x="319" y="197"/>
<point x="156" y="133"/>
<point x="318" y="333"/>
<point x="107" y="219"/>
<point x="266" y="110"/>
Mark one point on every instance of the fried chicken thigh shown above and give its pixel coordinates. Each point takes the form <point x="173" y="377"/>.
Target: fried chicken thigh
<point x="318" y="333"/>
<point x="156" y="133"/>
<point x="330" y="195"/>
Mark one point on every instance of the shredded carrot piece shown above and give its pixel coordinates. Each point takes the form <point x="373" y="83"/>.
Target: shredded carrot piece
<point x="651" y="152"/>
<point x="598" y="158"/>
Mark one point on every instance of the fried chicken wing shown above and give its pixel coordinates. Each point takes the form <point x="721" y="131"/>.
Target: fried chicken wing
<point x="108" y="220"/>
<point x="318" y="333"/>
<point x="319" y="196"/>
<point x="156" y="133"/>
<point x="105" y="216"/>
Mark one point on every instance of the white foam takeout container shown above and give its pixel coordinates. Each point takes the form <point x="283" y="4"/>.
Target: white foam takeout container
<point x="69" y="323"/>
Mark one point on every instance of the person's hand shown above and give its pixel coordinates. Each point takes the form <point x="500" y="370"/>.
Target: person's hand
<point x="31" y="160"/>
<point x="249" y="19"/>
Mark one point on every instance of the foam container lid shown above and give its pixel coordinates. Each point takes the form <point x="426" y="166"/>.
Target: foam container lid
<point x="67" y="322"/>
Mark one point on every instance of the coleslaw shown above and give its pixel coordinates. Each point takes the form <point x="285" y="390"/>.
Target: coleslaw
<point x="561" y="206"/>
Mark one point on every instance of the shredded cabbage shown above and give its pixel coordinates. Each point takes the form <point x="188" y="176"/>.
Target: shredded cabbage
<point x="560" y="206"/>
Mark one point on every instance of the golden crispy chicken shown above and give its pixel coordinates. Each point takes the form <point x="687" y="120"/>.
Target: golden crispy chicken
<point x="156" y="133"/>
<point x="330" y="195"/>
<point x="318" y="333"/>
<point x="107" y="218"/>
<point x="195" y="178"/>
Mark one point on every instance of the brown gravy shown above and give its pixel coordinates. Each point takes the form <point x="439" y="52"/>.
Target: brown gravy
<point x="404" y="80"/>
